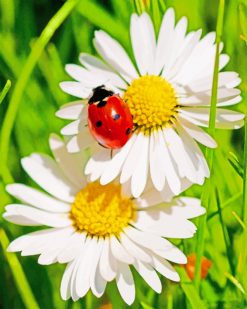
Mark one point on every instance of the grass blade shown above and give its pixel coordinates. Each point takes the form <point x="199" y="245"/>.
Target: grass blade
<point x="243" y="21"/>
<point x="209" y="152"/>
<point x="104" y="20"/>
<point x="225" y="234"/>
<point x="18" y="274"/>
<point x="237" y="284"/>
<point x="5" y="90"/>
<point x="190" y="291"/>
<point x="239" y="220"/>
<point x="19" y="89"/>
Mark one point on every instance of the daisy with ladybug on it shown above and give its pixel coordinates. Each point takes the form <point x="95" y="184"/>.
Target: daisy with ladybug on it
<point x="168" y="94"/>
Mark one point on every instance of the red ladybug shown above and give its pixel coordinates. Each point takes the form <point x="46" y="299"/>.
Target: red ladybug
<point x="109" y="118"/>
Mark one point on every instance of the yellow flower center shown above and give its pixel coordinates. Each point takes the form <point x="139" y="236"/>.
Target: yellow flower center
<point x="152" y="102"/>
<point x="102" y="210"/>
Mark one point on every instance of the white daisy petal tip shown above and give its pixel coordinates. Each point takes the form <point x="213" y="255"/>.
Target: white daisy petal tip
<point x="55" y="141"/>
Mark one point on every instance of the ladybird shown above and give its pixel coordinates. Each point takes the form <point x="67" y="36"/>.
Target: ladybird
<point x="109" y="118"/>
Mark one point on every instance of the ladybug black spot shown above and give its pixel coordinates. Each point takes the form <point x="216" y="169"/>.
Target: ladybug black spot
<point x="116" y="116"/>
<point x="128" y="131"/>
<point x="98" y="123"/>
<point x="101" y="103"/>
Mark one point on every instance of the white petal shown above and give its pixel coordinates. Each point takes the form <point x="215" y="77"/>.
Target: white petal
<point x="84" y="270"/>
<point x="188" y="207"/>
<point x="53" y="247"/>
<point x="204" y="98"/>
<point x="149" y="275"/>
<point x="156" y="244"/>
<point x="96" y="66"/>
<point x="70" y="164"/>
<point x="147" y="240"/>
<point x="190" y="42"/>
<point x="156" y="172"/>
<point x="198" y="159"/>
<point x="115" y="55"/>
<point x="72" y="128"/>
<point x="76" y="89"/>
<point x="165" y="268"/>
<point x="70" y="111"/>
<point x="143" y="42"/>
<point x="81" y="141"/>
<point x="85" y="77"/>
<point x="73" y="292"/>
<point x="97" y="163"/>
<point x="107" y="264"/>
<point x="115" y="164"/>
<point x="73" y="249"/>
<point x="178" y="40"/>
<point x="65" y="283"/>
<point x="180" y="155"/>
<point x="125" y="283"/>
<point x="149" y="198"/>
<point x="97" y="283"/>
<point x="36" y="198"/>
<point x="135" y="250"/>
<point x="32" y="243"/>
<point x="15" y="213"/>
<point x="174" y="255"/>
<point x="168" y="165"/>
<point x="225" y="119"/>
<point x="164" y="40"/>
<point x="205" y="83"/>
<point x="133" y="157"/>
<point x="200" y="62"/>
<point x="119" y="252"/>
<point x="165" y="225"/>
<point x="45" y="172"/>
<point x="198" y="134"/>
<point x="140" y="174"/>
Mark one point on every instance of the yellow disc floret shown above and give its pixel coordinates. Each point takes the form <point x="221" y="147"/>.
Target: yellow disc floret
<point x="152" y="102"/>
<point x="101" y="210"/>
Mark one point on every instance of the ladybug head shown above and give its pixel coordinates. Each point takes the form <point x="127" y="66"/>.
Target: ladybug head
<point x="99" y="94"/>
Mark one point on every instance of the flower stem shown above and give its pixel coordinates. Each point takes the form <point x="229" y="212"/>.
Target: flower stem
<point x="25" y="74"/>
<point x="209" y="152"/>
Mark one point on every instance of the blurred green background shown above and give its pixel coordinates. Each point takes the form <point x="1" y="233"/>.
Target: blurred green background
<point x="21" y="23"/>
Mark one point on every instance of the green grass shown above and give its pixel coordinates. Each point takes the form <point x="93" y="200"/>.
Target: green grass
<point x="34" y="49"/>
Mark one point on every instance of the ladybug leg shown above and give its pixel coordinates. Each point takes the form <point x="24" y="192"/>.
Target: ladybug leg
<point x="134" y="129"/>
<point x="111" y="153"/>
<point x="102" y="145"/>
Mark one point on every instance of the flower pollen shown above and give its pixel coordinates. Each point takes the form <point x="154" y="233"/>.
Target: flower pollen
<point x="152" y="102"/>
<point x="102" y="210"/>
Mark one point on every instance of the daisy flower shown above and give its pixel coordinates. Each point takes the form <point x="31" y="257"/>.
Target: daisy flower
<point x="98" y="230"/>
<point x="168" y="93"/>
